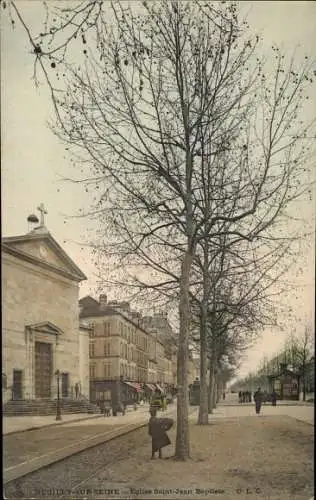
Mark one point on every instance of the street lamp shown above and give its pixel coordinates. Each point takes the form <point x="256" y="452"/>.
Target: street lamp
<point x="58" y="410"/>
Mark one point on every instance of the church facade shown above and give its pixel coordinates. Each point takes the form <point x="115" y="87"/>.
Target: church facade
<point x="42" y="339"/>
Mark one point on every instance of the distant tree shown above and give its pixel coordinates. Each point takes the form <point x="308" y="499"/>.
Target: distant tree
<point x="299" y="351"/>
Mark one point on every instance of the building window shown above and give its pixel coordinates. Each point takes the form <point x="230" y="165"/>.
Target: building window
<point x="91" y="332"/>
<point x="107" y="328"/>
<point x="91" y="350"/>
<point x="92" y="371"/>
<point x="107" y="370"/>
<point x="107" y="348"/>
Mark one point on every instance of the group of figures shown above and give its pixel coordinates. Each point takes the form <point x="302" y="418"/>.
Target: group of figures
<point x="244" y="397"/>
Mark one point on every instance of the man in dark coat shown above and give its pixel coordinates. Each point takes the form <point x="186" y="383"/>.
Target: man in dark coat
<point x="77" y="390"/>
<point x="258" y="400"/>
<point x="273" y="398"/>
<point x="157" y="428"/>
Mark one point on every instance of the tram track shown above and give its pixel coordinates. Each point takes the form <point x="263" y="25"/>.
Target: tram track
<point x="66" y="475"/>
<point x="81" y="484"/>
<point x="37" y="463"/>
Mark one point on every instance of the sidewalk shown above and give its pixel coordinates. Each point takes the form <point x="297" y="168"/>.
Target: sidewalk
<point x="12" y="425"/>
<point x="27" y="423"/>
<point x="279" y="403"/>
<point x="251" y="459"/>
<point x="305" y="413"/>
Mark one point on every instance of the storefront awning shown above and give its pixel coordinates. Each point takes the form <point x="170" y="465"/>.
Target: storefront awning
<point x="137" y="387"/>
<point x="159" y="388"/>
<point x="151" y="387"/>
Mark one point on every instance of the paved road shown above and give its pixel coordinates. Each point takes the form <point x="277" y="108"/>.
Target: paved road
<point x="25" y="452"/>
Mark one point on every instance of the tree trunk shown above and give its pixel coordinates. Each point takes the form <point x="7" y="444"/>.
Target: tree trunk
<point x="304" y="386"/>
<point x="215" y="391"/>
<point x="219" y="390"/>
<point x="211" y="388"/>
<point x="182" y="451"/>
<point x="203" y="409"/>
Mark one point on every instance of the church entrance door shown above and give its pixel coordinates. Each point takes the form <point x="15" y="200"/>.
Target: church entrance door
<point x="65" y="385"/>
<point x="43" y="369"/>
<point x="17" y="385"/>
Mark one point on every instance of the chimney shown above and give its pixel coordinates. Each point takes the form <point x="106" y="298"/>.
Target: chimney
<point x="103" y="301"/>
<point x="125" y="306"/>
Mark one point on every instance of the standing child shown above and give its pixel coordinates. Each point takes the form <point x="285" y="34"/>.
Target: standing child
<point x="157" y="428"/>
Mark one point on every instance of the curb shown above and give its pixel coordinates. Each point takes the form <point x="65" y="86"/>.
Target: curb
<point x="221" y="405"/>
<point x="301" y="420"/>
<point x="53" y="424"/>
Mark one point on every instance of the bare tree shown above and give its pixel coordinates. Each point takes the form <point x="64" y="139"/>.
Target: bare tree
<point x="298" y="352"/>
<point x="164" y="108"/>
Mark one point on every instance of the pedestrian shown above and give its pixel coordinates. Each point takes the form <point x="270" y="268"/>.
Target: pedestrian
<point x="164" y="403"/>
<point x="101" y="406"/>
<point x="223" y="396"/>
<point x="258" y="400"/>
<point x="273" y="398"/>
<point x="157" y="429"/>
<point x="77" y="389"/>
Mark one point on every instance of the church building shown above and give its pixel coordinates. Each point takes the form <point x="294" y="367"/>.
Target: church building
<point x="42" y="340"/>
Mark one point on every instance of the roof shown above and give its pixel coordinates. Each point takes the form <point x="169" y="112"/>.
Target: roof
<point x="45" y="327"/>
<point x="284" y="372"/>
<point x="10" y="245"/>
<point x="96" y="311"/>
<point x="93" y="310"/>
<point x="87" y="301"/>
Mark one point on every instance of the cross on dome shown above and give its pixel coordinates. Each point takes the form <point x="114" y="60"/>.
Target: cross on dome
<point x="43" y="212"/>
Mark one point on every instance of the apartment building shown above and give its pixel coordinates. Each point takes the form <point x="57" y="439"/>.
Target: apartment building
<point x="152" y="359"/>
<point x="118" y="349"/>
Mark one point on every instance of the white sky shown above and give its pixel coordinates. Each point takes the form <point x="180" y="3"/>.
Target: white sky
<point x="33" y="161"/>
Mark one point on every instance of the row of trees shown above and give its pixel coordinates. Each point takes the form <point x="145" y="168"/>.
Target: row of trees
<point x="194" y="151"/>
<point x="297" y="354"/>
